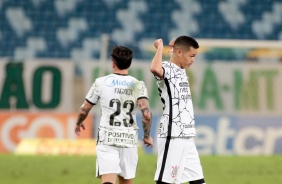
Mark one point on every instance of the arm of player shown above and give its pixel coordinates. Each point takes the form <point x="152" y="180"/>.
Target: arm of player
<point x="83" y="113"/>
<point x="156" y="65"/>
<point x="143" y="104"/>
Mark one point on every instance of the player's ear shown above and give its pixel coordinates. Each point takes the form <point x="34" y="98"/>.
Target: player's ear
<point x="178" y="52"/>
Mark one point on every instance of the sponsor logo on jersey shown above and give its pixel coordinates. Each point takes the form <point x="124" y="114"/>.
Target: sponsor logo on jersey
<point x="112" y="81"/>
<point x="183" y="84"/>
<point x="120" y="137"/>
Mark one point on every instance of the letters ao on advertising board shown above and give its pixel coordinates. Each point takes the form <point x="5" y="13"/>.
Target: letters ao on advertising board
<point x="42" y="85"/>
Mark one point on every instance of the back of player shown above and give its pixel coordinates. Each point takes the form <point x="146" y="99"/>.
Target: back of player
<point x="118" y="95"/>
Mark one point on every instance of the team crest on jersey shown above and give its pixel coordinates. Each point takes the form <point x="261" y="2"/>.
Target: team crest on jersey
<point x="174" y="171"/>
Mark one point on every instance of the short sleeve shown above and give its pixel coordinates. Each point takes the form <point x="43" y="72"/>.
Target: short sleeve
<point x="93" y="94"/>
<point x="142" y="90"/>
<point x="166" y="68"/>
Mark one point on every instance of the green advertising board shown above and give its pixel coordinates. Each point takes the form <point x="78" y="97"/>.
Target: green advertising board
<point x="220" y="87"/>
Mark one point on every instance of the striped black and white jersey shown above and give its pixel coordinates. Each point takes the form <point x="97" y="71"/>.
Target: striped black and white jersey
<point x="118" y="96"/>
<point x="178" y="115"/>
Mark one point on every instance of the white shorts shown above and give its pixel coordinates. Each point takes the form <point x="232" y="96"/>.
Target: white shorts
<point x="178" y="161"/>
<point x="116" y="160"/>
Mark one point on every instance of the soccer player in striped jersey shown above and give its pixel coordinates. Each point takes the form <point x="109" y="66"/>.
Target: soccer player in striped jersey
<point x="178" y="159"/>
<point x="119" y="95"/>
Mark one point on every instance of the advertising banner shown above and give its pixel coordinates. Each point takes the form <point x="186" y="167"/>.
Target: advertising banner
<point x="230" y="135"/>
<point x="43" y="146"/>
<point x="16" y="126"/>
<point x="238" y="106"/>
<point x="43" y="85"/>
<point x="239" y="135"/>
<point x="217" y="88"/>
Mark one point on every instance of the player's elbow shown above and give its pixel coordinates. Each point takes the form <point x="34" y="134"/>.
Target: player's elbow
<point x="156" y="71"/>
<point x="147" y="116"/>
<point x="83" y="114"/>
<point x="153" y="68"/>
<point x="83" y="111"/>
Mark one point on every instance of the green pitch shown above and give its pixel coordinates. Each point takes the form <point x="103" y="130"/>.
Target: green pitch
<point x="81" y="169"/>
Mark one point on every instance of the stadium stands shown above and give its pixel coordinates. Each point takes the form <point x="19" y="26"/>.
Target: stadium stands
<point x="72" y="28"/>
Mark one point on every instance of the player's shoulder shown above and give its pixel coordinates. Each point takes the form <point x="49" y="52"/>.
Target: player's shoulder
<point x="103" y="80"/>
<point x="133" y="79"/>
<point x="138" y="83"/>
<point x="167" y="64"/>
<point x="141" y="84"/>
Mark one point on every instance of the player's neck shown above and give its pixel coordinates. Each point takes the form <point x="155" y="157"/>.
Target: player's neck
<point x="121" y="72"/>
<point x="175" y="61"/>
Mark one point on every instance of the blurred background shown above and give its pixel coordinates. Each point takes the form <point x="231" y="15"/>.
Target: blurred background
<point x="51" y="51"/>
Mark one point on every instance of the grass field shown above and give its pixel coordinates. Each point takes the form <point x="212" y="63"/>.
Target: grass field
<point x="81" y="169"/>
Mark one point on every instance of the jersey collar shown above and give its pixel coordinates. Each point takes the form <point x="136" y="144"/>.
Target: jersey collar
<point x="120" y="74"/>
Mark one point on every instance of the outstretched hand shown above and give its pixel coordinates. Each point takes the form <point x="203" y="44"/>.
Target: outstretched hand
<point x="78" y="130"/>
<point x="148" y="142"/>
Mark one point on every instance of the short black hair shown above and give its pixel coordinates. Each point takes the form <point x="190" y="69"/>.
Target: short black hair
<point x="186" y="42"/>
<point x="122" y="57"/>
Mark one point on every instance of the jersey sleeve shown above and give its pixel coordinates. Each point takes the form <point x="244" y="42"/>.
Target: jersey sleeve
<point x="166" y="68"/>
<point x="142" y="90"/>
<point x="93" y="94"/>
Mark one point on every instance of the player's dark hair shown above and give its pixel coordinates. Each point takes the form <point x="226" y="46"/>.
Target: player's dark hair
<point x="185" y="42"/>
<point x="122" y="57"/>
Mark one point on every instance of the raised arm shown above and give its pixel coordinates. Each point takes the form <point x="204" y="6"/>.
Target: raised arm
<point x="143" y="104"/>
<point x="83" y="113"/>
<point x="156" y="65"/>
